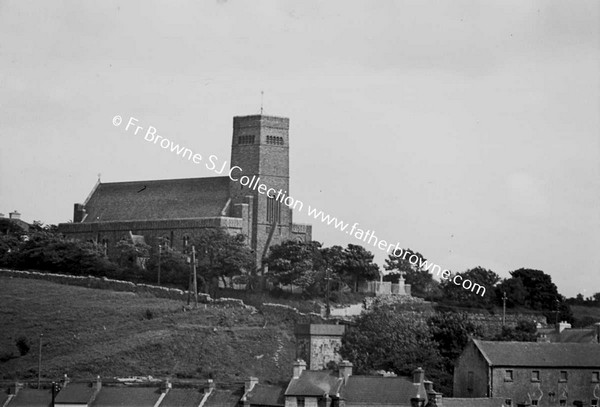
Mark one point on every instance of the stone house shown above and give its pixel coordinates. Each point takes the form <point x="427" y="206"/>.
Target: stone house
<point x="530" y="373"/>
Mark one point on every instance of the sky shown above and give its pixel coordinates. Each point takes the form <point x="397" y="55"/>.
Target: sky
<point x="466" y="130"/>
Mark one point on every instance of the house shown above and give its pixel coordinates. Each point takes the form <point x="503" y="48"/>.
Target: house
<point x="13" y="224"/>
<point x="537" y="373"/>
<point x="328" y="388"/>
<point x="564" y="333"/>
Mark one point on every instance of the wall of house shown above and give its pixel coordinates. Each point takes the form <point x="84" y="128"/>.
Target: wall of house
<point x="578" y="386"/>
<point x="471" y="360"/>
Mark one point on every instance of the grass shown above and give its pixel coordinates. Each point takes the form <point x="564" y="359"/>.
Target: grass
<point x="89" y="332"/>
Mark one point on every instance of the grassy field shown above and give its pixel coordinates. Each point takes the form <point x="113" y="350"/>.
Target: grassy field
<point x="88" y="332"/>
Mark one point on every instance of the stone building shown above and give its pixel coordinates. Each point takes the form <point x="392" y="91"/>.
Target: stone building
<point x="530" y="373"/>
<point x="319" y="344"/>
<point x="175" y="210"/>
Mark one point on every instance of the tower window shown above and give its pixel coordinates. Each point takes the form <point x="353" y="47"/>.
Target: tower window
<point x="273" y="210"/>
<point x="275" y="140"/>
<point x="563" y="376"/>
<point x="595" y="377"/>
<point x="508" y="376"/>
<point x="535" y="375"/>
<point x="245" y="139"/>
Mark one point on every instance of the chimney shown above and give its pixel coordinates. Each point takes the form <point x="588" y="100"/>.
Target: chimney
<point x="418" y="375"/>
<point x="435" y="398"/>
<point x="250" y="383"/>
<point x="210" y="386"/>
<point x="66" y="380"/>
<point x="78" y="212"/>
<point x="98" y="384"/>
<point x="14" y="215"/>
<point x="165" y="386"/>
<point x="345" y="370"/>
<point x="428" y="386"/>
<point x="299" y="367"/>
<point x="562" y="326"/>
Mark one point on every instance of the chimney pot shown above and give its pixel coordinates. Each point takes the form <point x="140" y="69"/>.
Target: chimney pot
<point x="418" y="375"/>
<point x="345" y="370"/>
<point x="14" y="215"/>
<point x="299" y="367"/>
<point x="210" y="386"/>
<point x="250" y="383"/>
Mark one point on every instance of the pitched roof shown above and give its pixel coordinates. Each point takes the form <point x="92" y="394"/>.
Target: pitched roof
<point x="126" y="396"/>
<point x="182" y="398"/>
<point x="266" y="395"/>
<point x="542" y="354"/>
<point x="380" y="390"/>
<point x="473" y="402"/>
<point x="224" y="398"/>
<point x="75" y="393"/>
<point x="158" y="199"/>
<point x="32" y="398"/>
<point x="314" y="383"/>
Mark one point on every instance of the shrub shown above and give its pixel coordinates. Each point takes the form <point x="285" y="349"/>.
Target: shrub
<point x="23" y="345"/>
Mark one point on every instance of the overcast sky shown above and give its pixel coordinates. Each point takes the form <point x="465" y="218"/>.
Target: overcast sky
<point x="466" y="130"/>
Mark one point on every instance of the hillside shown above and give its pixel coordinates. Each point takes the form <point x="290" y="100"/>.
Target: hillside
<point x="88" y="332"/>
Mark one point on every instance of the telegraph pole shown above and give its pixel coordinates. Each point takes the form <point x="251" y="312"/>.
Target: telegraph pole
<point x="195" y="279"/>
<point x="40" y="362"/>
<point x="159" y="250"/>
<point x="504" y="308"/>
<point x="328" y="278"/>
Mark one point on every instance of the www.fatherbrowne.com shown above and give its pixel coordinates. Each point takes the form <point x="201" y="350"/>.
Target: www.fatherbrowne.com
<point x="253" y="182"/>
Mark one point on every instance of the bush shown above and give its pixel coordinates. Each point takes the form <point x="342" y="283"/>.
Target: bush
<point x="23" y="345"/>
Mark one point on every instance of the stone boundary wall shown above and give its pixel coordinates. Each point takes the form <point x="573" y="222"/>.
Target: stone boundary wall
<point x="106" y="284"/>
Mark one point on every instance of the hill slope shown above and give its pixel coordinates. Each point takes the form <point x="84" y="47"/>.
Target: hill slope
<point x="88" y="332"/>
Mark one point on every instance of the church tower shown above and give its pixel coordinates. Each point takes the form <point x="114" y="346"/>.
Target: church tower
<point x="260" y="147"/>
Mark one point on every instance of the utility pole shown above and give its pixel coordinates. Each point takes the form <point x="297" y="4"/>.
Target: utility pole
<point x="195" y="280"/>
<point x="40" y="363"/>
<point x="328" y="278"/>
<point x="504" y="308"/>
<point x="557" y="310"/>
<point x="159" y="250"/>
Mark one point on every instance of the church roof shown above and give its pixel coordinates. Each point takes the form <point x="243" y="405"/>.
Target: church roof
<point x="158" y="199"/>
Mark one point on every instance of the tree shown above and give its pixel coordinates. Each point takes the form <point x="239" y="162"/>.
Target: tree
<point x="392" y="341"/>
<point x="421" y="281"/>
<point x="525" y="331"/>
<point x="516" y="293"/>
<point x="221" y="255"/>
<point x="129" y="253"/>
<point x="478" y="275"/>
<point x="358" y="266"/>
<point x="174" y="267"/>
<point x="295" y="263"/>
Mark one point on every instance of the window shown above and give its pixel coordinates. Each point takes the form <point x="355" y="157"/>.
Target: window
<point x="245" y="139"/>
<point x="300" y="401"/>
<point x="535" y="375"/>
<point x="563" y="376"/>
<point x="275" y="140"/>
<point x="594" y="402"/>
<point x="562" y="402"/>
<point x="186" y="241"/>
<point x="508" y="376"/>
<point x="273" y="210"/>
<point x="595" y="377"/>
<point x="534" y="402"/>
<point x="508" y="402"/>
<point x="470" y="381"/>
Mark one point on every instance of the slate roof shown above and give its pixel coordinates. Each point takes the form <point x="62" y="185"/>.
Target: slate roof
<point x="224" y="398"/>
<point x="473" y="402"/>
<point x="126" y="396"/>
<point x="158" y="199"/>
<point x="380" y="390"/>
<point x="541" y="354"/>
<point x="314" y="383"/>
<point x="75" y="393"/>
<point x="573" y="335"/>
<point x="32" y="398"/>
<point x="266" y="395"/>
<point x="182" y="398"/>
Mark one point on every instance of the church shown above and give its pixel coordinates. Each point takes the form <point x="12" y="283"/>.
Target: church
<point x="176" y="210"/>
